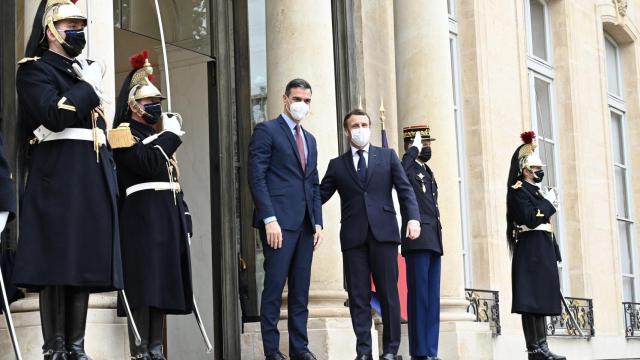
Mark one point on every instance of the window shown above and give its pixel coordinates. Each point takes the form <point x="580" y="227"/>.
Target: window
<point x="621" y="173"/>
<point x="457" y="113"/>
<point x="543" y="118"/>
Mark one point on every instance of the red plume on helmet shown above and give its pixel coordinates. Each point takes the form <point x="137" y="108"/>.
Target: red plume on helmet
<point x="137" y="61"/>
<point x="528" y="136"/>
<point x="74" y="1"/>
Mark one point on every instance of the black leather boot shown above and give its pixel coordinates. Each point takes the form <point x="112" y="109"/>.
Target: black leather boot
<point x="541" y="331"/>
<point x="77" y="305"/>
<point x="141" y="352"/>
<point x="52" y="310"/>
<point x="156" y="335"/>
<point x="529" y="327"/>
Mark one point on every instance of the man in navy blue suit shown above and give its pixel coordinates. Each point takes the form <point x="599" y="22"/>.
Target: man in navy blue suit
<point x="369" y="236"/>
<point x="423" y="255"/>
<point x="283" y="178"/>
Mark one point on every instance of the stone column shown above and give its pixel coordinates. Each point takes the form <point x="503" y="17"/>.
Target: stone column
<point x="425" y="95"/>
<point x="300" y="45"/>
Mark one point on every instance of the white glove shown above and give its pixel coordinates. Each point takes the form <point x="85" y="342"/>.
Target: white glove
<point x="4" y="216"/>
<point x="551" y="195"/>
<point x="91" y="74"/>
<point x="172" y="122"/>
<point x="417" y="141"/>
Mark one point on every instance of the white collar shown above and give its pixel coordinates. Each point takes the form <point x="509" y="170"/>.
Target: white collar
<point x="354" y="150"/>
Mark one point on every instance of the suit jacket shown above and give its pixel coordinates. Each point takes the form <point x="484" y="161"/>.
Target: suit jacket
<point x="426" y="190"/>
<point x="369" y="205"/>
<point x="278" y="184"/>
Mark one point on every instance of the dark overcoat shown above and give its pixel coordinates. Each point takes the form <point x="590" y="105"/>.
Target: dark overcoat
<point x="534" y="269"/>
<point x="154" y="227"/>
<point x="68" y="231"/>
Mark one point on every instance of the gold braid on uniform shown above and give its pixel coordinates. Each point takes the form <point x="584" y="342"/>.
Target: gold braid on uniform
<point x="95" y="113"/>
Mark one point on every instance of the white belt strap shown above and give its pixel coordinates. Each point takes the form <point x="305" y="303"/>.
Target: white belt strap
<point x="157" y="186"/>
<point x="43" y="134"/>
<point x="541" y="227"/>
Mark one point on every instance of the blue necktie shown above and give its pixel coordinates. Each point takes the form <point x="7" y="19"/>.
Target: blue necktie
<point x="362" y="167"/>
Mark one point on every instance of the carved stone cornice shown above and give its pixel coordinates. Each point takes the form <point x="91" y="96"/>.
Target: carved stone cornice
<point x="621" y="6"/>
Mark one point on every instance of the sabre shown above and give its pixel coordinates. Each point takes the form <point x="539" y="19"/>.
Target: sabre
<point x="203" y="331"/>
<point x="163" y="42"/>
<point x="132" y="323"/>
<point x="7" y="316"/>
<point x="164" y="56"/>
<point x="571" y="318"/>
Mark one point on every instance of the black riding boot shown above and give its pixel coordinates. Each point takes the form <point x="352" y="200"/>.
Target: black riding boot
<point x="156" y="335"/>
<point x="531" y="337"/>
<point x="140" y="352"/>
<point x="541" y="330"/>
<point x="77" y="305"/>
<point x="52" y="310"/>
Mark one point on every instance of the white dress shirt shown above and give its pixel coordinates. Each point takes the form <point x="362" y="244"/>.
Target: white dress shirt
<point x="356" y="157"/>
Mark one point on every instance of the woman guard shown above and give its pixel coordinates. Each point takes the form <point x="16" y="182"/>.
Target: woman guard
<point x="535" y="282"/>
<point x="155" y="223"/>
<point x="68" y="234"/>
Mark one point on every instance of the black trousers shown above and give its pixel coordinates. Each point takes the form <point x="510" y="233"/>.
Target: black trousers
<point x="380" y="260"/>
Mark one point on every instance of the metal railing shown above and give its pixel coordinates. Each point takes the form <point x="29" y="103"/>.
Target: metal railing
<point x="631" y="319"/>
<point x="582" y="311"/>
<point x="485" y="305"/>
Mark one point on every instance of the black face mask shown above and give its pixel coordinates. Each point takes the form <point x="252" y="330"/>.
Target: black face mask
<point x="153" y="112"/>
<point x="425" y="154"/>
<point x="539" y="175"/>
<point x="74" y="42"/>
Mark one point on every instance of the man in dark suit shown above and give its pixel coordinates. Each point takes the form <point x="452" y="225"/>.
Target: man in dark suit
<point x="369" y="236"/>
<point x="285" y="187"/>
<point x="424" y="253"/>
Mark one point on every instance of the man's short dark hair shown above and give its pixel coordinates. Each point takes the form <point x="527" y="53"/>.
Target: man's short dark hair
<point x="297" y="83"/>
<point x="352" y="113"/>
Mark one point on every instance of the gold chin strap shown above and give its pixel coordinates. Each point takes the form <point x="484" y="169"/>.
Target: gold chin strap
<point x="54" y="31"/>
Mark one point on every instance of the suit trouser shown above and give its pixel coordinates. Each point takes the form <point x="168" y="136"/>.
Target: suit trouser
<point x="380" y="260"/>
<point x="291" y="264"/>
<point x="423" y="301"/>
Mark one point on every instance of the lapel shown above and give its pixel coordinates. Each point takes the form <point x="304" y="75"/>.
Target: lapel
<point x="374" y="155"/>
<point x="289" y="136"/>
<point x="348" y="163"/>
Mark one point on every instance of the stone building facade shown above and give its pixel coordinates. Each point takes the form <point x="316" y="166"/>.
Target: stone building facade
<point x="478" y="72"/>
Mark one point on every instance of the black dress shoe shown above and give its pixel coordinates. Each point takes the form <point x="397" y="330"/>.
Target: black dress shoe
<point x="421" y="358"/>
<point x="276" y="356"/>
<point x="304" y="356"/>
<point x="364" y="357"/>
<point x="388" y="357"/>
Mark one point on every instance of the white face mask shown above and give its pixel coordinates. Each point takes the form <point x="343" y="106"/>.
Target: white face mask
<point x="299" y="110"/>
<point x="360" y="136"/>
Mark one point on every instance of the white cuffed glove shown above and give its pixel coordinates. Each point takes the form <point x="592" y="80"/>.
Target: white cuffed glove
<point x="551" y="195"/>
<point x="172" y="122"/>
<point x="417" y="141"/>
<point x="4" y="216"/>
<point x="91" y="74"/>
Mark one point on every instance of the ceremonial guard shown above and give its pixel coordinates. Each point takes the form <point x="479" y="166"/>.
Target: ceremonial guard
<point x="155" y="223"/>
<point x="424" y="253"/>
<point x="68" y="234"/>
<point x="535" y="281"/>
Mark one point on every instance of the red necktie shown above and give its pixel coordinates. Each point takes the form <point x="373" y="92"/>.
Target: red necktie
<point x="300" y="145"/>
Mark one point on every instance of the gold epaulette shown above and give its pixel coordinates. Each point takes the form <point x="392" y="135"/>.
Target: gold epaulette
<point x="121" y="137"/>
<point x="28" y="59"/>
<point x="517" y="185"/>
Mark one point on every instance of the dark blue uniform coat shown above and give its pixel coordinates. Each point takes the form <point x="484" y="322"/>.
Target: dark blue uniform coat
<point x="68" y="233"/>
<point x="154" y="228"/>
<point x="426" y="190"/>
<point x="534" y="271"/>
